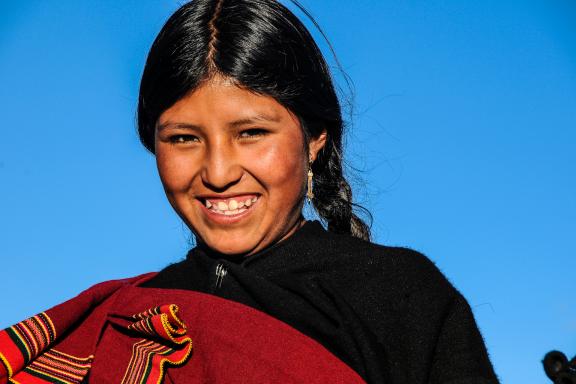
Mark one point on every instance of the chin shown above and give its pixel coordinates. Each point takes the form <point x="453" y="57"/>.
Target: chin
<point x="232" y="250"/>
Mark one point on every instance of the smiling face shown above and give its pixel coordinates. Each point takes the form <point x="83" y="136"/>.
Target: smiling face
<point x="233" y="165"/>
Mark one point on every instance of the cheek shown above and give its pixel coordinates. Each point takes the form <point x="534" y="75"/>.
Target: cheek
<point x="282" y="165"/>
<point x="175" y="170"/>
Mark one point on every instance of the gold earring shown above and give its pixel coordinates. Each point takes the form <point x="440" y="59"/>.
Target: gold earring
<point x="309" y="193"/>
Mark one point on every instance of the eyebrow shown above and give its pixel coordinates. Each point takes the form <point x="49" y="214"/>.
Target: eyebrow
<point x="233" y="124"/>
<point x="169" y="124"/>
<point x="255" y="119"/>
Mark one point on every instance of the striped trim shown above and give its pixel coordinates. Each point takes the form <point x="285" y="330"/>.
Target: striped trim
<point x="59" y="367"/>
<point x="143" y="352"/>
<point x="7" y="367"/>
<point x="24" y="342"/>
<point x="169" y="345"/>
<point x="33" y="335"/>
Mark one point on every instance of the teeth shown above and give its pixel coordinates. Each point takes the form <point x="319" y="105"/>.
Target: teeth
<point x="232" y="207"/>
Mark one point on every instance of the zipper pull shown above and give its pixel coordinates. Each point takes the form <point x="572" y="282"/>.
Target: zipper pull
<point x="221" y="271"/>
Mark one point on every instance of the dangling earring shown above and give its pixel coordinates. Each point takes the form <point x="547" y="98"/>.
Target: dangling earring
<point x="309" y="193"/>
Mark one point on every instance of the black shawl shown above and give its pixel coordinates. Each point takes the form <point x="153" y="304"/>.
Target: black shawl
<point x="387" y="312"/>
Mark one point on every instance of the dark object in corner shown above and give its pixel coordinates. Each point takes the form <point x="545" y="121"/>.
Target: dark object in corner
<point x="559" y="369"/>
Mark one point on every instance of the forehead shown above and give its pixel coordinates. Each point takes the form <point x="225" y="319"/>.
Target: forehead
<point x="220" y="100"/>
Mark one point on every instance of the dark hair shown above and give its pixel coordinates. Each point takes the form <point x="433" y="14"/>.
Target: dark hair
<point x="261" y="46"/>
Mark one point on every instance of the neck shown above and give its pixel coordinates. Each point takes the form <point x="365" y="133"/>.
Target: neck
<point x="239" y="257"/>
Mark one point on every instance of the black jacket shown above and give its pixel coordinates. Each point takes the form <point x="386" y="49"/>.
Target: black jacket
<point x="387" y="312"/>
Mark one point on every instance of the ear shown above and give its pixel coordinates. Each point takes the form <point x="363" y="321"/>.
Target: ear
<point x="316" y="144"/>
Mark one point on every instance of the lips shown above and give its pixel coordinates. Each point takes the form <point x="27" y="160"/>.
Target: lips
<point x="230" y="206"/>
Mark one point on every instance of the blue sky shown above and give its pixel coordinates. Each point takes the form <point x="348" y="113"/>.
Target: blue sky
<point x="463" y="133"/>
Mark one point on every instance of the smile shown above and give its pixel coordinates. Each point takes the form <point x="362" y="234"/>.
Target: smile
<point x="231" y="206"/>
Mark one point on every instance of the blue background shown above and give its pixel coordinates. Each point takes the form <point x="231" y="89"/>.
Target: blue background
<point x="463" y="131"/>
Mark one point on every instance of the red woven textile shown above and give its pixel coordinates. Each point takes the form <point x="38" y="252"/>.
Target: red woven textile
<point x="117" y="332"/>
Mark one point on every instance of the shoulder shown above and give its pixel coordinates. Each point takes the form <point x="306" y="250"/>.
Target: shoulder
<point x="391" y="288"/>
<point x="103" y="290"/>
<point x="394" y="283"/>
<point x="409" y="306"/>
<point x="397" y="268"/>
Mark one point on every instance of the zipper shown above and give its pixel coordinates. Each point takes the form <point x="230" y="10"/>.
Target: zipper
<point x="221" y="272"/>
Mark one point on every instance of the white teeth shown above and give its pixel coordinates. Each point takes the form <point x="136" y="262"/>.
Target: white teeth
<point x="234" y="212"/>
<point x="233" y="206"/>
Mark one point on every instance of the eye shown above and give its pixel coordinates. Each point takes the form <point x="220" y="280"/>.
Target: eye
<point x="252" y="133"/>
<point x="183" y="139"/>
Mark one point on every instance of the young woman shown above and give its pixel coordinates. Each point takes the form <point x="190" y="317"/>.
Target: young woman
<point x="238" y="105"/>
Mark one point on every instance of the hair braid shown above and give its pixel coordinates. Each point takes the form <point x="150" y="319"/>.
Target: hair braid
<point x="333" y="195"/>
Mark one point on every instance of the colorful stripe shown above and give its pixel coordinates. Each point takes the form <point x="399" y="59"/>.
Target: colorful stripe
<point x="32" y="336"/>
<point x="22" y="343"/>
<point x="58" y="367"/>
<point x="27" y="356"/>
<point x="170" y="345"/>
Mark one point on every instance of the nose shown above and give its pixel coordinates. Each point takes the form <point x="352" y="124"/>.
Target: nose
<point x="221" y="169"/>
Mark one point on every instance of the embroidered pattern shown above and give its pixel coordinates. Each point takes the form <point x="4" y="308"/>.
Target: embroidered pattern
<point x="23" y="342"/>
<point x="33" y="335"/>
<point x="168" y="345"/>
<point x="58" y="367"/>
